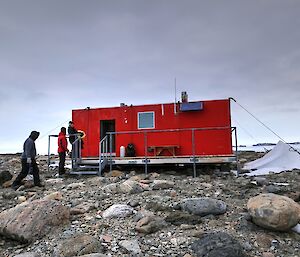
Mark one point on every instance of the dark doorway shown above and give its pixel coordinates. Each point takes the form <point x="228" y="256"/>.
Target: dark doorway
<point x="108" y="126"/>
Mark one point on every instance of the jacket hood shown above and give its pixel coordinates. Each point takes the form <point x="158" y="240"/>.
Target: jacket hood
<point x="34" y="135"/>
<point x="61" y="134"/>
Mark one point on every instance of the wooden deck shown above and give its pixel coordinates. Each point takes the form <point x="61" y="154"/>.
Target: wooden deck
<point x="208" y="159"/>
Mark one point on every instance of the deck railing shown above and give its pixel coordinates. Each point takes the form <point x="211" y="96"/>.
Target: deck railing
<point x="146" y="132"/>
<point x="76" y="152"/>
<point x="106" y="152"/>
<point x="103" y="153"/>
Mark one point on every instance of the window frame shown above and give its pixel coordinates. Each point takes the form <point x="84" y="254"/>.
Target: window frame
<point x="138" y="120"/>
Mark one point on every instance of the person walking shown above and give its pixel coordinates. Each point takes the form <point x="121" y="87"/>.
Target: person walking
<point x="28" y="159"/>
<point x="62" y="150"/>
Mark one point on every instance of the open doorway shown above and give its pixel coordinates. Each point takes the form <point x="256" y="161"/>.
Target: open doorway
<point x="108" y="126"/>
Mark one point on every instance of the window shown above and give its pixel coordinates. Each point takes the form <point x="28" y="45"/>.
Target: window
<point x="146" y="120"/>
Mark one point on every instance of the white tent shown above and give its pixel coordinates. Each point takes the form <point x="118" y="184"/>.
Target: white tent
<point x="281" y="158"/>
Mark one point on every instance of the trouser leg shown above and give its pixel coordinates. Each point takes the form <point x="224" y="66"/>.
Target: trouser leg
<point x="35" y="173"/>
<point x="23" y="173"/>
<point x="76" y="149"/>
<point x="61" y="166"/>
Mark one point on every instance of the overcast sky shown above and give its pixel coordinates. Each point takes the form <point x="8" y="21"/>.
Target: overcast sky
<point x="59" y="55"/>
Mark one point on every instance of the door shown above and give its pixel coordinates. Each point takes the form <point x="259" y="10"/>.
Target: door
<point x="108" y="126"/>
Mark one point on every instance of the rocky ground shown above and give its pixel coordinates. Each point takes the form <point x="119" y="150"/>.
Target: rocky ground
<point x="151" y="217"/>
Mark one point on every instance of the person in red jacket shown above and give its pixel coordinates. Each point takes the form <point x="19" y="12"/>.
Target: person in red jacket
<point x="62" y="149"/>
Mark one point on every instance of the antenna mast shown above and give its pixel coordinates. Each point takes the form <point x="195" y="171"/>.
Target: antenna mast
<point x="175" y="97"/>
<point x="175" y="91"/>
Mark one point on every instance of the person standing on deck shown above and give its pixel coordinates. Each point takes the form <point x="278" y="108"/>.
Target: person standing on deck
<point x="72" y="131"/>
<point x="62" y="150"/>
<point x="74" y="134"/>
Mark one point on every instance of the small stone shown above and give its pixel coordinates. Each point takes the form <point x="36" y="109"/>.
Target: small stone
<point x="131" y="246"/>
<point x="28" y="254"/>
<point x="106" y="238"/>
<point x="21" y="199"/>
<point x="162" y="184"/>
<point x="261" y="181"/>
<point x="173" y="193"/>
<point x="115" y="173"/>
<point x="54" y="196"/>
<point x="118" y="211"/>
<point x="267" y="254"/>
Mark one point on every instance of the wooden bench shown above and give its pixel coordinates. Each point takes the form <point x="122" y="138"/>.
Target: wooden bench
<point x="159" y="149"/>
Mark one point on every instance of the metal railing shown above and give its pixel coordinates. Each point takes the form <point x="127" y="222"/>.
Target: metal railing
<point x="76" y="153"/>
<point x="103" y="153"/>
<point x="146" y="132"/>
<point x="106" y="152"/>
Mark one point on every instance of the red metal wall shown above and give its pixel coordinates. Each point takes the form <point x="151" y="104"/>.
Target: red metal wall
<point x="215" y="113"/>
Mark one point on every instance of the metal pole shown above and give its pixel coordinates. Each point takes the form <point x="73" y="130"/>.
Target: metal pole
<point x="100" y="151"/>
<point x="110" y="151"/>
<point x="73" y="156"/>
<point x="79" y="150"/>
<point x="76" y="154"/>
<point x="194" y="160"/>
<point x="48" y="152"/>
<point x="146" y="147"/>
<point x="236" y="153"/>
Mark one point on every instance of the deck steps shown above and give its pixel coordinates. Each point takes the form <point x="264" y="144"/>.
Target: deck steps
<point x="88" y="169"/>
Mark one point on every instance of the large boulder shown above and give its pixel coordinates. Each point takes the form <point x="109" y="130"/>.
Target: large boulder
<point x="274" y="212"/>
<point x="29" y="221"/>
<point x="217" y="244"/>
<point x="203" y="206"/>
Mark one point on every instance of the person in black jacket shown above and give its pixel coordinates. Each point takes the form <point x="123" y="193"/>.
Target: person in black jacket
<point x="72" y="131"/>
<point x="73" y="135"/>
<point x="28" y="160"/>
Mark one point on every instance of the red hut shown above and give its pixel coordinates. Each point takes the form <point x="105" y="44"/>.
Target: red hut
<point x="183" y="132"/>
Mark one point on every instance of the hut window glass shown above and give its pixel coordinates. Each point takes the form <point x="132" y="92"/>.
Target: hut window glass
<point x="146" y="120"/>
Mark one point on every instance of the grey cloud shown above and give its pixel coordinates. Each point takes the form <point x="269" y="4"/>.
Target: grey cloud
<point x="72" y="54"/>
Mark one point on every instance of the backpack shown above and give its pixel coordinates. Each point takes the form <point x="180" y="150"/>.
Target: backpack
<point x="130" y="150"/>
